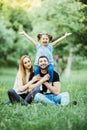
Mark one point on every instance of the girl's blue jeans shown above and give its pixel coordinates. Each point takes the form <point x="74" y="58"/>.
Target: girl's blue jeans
<point x="50" y="69"/>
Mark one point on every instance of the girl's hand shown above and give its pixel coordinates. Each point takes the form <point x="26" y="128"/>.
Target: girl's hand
<point x="67" y="34"/>
<point x="22" y="33"/>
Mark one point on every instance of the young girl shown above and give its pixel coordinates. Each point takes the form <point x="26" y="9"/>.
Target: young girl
<point x="44" y="48"/>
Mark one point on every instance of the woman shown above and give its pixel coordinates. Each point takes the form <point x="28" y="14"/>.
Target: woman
<point x="23" y="80"/>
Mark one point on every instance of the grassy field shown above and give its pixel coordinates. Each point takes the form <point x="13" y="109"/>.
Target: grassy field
<point x="45" y="117"/>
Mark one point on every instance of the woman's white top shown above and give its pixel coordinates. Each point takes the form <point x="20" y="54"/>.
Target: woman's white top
<point x="18" y="82"/>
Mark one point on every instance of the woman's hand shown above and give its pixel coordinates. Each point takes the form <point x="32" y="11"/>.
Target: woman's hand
<point x="29" y="90"/>
<point x="36" y="78"/>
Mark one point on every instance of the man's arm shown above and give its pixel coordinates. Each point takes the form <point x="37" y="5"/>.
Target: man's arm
<point x="28" y="37"/>
<point x="55" y="88"/>
<point x="60" y="39"/>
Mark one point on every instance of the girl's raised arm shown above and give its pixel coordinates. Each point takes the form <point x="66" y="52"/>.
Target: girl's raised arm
<point x="60" y="39"/>
<point x="28" y="37"/>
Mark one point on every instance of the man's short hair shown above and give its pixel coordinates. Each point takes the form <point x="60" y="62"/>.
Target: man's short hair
<point x="43" y="57"/>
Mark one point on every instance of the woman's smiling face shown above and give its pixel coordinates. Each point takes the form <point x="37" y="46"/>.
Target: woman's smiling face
<point x="27" y="63"/>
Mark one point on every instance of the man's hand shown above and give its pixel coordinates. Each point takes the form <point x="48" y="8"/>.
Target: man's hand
<point x="46" y="77"/>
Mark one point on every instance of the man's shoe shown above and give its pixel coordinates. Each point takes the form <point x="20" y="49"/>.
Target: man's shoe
<point x="65" y="98"/>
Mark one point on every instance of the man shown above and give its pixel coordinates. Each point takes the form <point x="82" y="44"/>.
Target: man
<point x="49" y="93"/>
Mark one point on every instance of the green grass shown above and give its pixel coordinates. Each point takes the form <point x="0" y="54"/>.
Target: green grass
<point x="45" y="117"/>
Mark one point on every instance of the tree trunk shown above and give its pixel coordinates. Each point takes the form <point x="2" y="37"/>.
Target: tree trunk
<point x="68" y="66"/>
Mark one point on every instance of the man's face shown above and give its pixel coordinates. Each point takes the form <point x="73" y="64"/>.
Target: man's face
<point x="43" y="63"/>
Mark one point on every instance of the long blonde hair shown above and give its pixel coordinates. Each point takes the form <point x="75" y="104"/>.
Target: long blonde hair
<point x="22" y="69"/>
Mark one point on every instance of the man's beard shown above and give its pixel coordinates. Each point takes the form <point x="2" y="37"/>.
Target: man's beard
<point x="44" y="68"/>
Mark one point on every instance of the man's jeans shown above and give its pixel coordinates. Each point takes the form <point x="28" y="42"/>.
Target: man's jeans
<point x="62" y="98"/>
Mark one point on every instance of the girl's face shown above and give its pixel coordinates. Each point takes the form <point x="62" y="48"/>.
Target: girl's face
<point x="27" y="63"/>
<point x="44" y="40"/>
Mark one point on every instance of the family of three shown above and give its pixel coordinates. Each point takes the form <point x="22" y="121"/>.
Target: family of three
<point x="42" y="84"/>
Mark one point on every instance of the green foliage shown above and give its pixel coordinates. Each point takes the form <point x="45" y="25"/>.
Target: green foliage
<point x="79" y="63"/>
<point x="6" y="38"/>
<point x="19" y="19"/>
<point x="45" y="117"/>
<point x="50" y="16"/>
<point x="83" y="1"/>
<point x="12" y="20"/>
<point x="16" y="16"/>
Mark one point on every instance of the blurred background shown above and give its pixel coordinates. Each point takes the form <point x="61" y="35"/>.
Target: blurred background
<point x="55" y="17"/>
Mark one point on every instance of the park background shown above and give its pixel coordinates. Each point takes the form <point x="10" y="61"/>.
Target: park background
<point x="55" y="17"/>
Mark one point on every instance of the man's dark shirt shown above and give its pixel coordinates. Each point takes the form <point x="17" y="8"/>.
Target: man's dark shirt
<point x="55" y="79"/>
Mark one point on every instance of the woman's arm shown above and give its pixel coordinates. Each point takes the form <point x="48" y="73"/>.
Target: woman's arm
<point x="60" y="39"/>
<point x="26" y="86"/>
<point x="41" y="81"/>
<point x="18" y="85"/>
<point x="28" y="37"/>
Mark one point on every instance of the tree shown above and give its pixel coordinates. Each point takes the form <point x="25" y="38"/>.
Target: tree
<point x="12" y="20"/>
<point x="6" y="39"/>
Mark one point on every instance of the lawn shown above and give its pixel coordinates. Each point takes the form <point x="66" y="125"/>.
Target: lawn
<point x="45" y="117"/>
